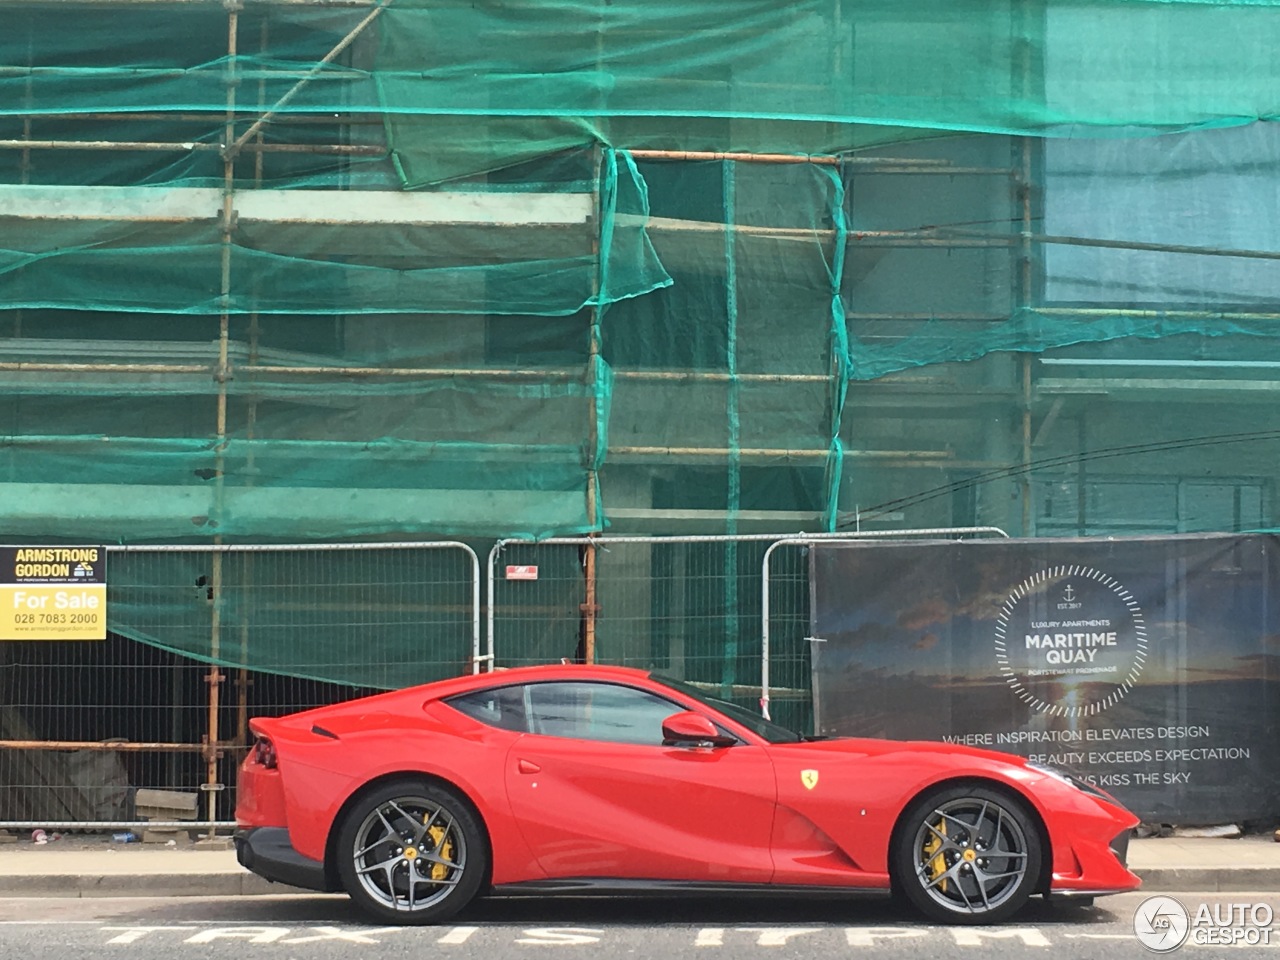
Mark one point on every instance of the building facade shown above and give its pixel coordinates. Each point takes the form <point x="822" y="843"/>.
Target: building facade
<point x="342" y="271"/>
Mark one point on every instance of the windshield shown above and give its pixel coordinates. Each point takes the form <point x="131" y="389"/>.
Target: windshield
<point x="752" y="721"/>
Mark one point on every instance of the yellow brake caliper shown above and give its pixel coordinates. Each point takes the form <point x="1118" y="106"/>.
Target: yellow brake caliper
<point x="438" y="870"/>
<point x="938" y="865"/>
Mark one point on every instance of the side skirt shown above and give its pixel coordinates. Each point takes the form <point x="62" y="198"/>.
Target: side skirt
<point x="610" y="887"/>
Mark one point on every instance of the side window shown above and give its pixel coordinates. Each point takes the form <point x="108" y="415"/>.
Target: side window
<point x="598" y="711"/>
<point x="502" y="707"/>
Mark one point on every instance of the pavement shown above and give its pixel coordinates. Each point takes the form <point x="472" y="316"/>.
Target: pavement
<point x="82" y="866"/>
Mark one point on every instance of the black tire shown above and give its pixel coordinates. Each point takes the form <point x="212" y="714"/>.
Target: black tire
<point x="966" y="854"/>
<point x="390" y="832"/>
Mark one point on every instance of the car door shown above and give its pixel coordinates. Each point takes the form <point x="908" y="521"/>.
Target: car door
<point x="598" y="795"/>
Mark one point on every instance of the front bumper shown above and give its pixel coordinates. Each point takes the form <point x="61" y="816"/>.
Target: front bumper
<point x="1101" y="868"/>
<point x="268" y="853"/>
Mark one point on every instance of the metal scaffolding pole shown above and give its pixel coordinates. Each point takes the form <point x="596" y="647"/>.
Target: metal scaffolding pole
<point x="206" y="3"/>
<point x="246" y="568"/>
<point x="897" y="165"/>
<point x="161" y="146"/>
<point x="215" y="677"/>
<point x="590" y="609"/>
<point x="1024" y="293"/>
<point x="234" y="147"/>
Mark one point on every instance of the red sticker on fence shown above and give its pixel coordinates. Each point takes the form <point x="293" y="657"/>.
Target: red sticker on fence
<point x="522" y="573"/>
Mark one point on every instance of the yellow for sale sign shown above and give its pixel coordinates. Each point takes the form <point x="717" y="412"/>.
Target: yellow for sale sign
<point x="53" y="593"/>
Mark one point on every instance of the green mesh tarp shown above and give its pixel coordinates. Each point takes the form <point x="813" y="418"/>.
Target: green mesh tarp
<point x="285" y="257"/>
<point x="384" y="618"/>
<point x="554" y="75"/>
<point x="290" y="271"/>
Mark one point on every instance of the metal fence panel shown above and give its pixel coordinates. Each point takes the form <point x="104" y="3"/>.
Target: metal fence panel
<point x="786" y="655"/>
<point x="687" y="606"/>
<point x="201" y="639"/>
<point x="684" y="605"/>
<point x="729" y="613"/>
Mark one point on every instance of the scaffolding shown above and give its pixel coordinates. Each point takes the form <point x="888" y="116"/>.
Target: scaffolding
<point x="266" y="114"/>
<point x="341" y="270"/>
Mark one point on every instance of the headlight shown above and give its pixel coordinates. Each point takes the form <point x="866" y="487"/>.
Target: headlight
<point x="1069" y="777"/>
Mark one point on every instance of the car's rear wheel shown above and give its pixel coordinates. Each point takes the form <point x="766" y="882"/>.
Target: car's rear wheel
<point x="411" y="852"/>
<point x="967" y="854"/>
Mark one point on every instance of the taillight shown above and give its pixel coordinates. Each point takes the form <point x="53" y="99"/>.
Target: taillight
<point x="264" y="752"/>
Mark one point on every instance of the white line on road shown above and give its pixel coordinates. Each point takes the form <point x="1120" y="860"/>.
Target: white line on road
<point x="349" y="936"/>
<point x="561" y="936"/>
<point x="132" y="934"/>
<point x="458" y="935"/>
<point x="973" y="936"/>
<point x="867" y="936"/>
<point x="251" y="934"/>
<point x="778" y="936"/>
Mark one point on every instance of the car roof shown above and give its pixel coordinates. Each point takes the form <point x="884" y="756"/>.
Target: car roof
<point x="532" y="674"/>
<point x="453" y="686"/>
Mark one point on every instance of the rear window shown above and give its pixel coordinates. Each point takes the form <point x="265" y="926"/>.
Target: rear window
<point x="501" y="707"/>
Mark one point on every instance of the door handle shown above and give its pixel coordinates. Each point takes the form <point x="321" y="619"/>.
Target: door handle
<point x="528" y="766"/>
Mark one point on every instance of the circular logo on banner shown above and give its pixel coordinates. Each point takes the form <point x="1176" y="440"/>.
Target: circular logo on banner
<point x="1161" y="924"/>
<point x="1070" y="641"/>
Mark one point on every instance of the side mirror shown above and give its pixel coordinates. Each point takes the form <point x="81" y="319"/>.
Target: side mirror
<point x="691" y="728"/>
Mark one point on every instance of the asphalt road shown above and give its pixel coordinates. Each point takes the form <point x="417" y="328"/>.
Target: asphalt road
<point x="302" y="927"/>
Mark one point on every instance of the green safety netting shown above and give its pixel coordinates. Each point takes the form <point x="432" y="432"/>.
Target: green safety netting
<point x="556" y="75"/>
<point x="366" y="618"/>
<point x="460" y="275"/>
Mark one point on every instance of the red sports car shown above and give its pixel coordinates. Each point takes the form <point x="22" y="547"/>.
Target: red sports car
<point x="581" y="780"/>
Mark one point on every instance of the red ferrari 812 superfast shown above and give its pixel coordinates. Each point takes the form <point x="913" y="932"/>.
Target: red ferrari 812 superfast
<point x="584" y="779"/>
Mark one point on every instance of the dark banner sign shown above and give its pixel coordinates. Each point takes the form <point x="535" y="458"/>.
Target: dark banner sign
<point x="1149" y="666"/>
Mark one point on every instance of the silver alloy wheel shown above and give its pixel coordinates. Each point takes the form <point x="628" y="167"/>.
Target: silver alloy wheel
<point x="970" y="855"/>
<point x="409" y="853"/>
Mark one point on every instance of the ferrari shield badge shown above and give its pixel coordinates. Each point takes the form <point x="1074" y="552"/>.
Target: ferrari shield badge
<point x="809" y="778"/>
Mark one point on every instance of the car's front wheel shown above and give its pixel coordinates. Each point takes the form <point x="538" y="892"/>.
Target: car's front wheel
<point x="411" y="852"/>
<point x="967" y="854"/>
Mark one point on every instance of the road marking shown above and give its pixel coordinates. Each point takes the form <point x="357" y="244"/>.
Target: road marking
<point x="867" y="936"/>
<point x="259" y="934"/>
<point x="974" y="937"/>
<point x="777" y="936"/>
<point x="458" y="935"/>
<point x="250" y="934"/>
<point x="560" y="936"/>
<point x="337" y="933"/>
<point x="134" y="934"/>
<point x="710" y="937"/>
